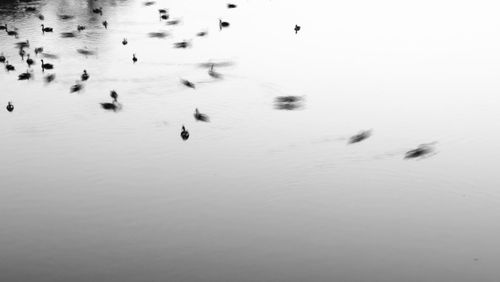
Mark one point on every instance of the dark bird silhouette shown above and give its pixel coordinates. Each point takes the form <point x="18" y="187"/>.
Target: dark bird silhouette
<point x="114" y="106"/>
<point x="85" y="75"/>
<point x="46" y="29"/>
<point x="3" y="27"/>
<point x="29" y="61"/>
<point x="223" y="24"/>
<point x="38" y="50"/>
<point x="114" y="95"/>
<point x="173" y="22"/>
<point x="49" y="78"/>
<point x="134" y="58"/>
<point x="46" y="66"/>
<point x="360" y="136"/>
<point x="66" y="17"/>
<point x="97" y="11"/>
<point x="421" y="151"/>
<point x="12" y="32"/>
<point x="10" y="107"/>
<point x="9" y="67"/>
<point x="201" y="33"/>
<point x="188" y="83"/>
<point x="200" y="117"/>
<point x="76" y="88"/>
<point x="163" y="11"/>
<point x="2" y="58"/>
<point x="68" y="34"/>
<point x="23" y="44"/>
<point x="184" y="133"/>
<point x="41" y="17"/>
<point x="182" y="44"/>
<point x="105" y="24"/>
<point x="24" y="76"/>
<point x="164" y="17"/>
<point x="297" y="28"/>
<point x="213" y="73"/>
<point x="30" y="9"/>
<point x="231" y="6"/>
<point x="22" y="53"/>
<point x="80" y="27"/>
<point x="125" y="41"/>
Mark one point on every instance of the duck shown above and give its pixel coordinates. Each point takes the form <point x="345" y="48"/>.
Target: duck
<point x="85" y="75"/>
<point x="124" y="42"/>
<point x="114" y="95"/>
<point x="46" y="29"/>
<point x="297" y="28"/>
<point x="105" y="24"/>
<point x="360" y="136"/>
<point x="2" y="58"/>
<point x="184" y="133"/>
<point x="97" y="11"/>
<point x="223" y="24"/>
<point x="24" y="76"/>
<point x="9" y="67"/>
<point x="134" y="58"/>
<point x="10" y="107"/>
<point x="213" y="73"/>
<point x="200" y="117"/>
<point x="46" y="66"/>
<point x="164" y="17"/>
<point x="114" y="106"/>
<point x="76" y="88"/>
<point x="231" y="6"/>
<point x="29" y="61"/>
<point x="80" y="27"/>
<point x="188" y="83"/>
<point x="38" y="50"/>
<point x="49" y="78"/>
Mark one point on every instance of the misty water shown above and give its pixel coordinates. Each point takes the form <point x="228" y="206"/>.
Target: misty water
<point x="258" y="193"/>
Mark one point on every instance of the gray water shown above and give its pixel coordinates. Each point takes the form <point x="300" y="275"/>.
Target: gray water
<point x="256" y="194"/>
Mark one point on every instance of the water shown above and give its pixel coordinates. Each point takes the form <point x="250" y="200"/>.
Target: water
<point x="257" y="194"/>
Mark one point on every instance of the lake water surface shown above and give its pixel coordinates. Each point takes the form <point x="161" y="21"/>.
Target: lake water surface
<point x="258" y="193"/>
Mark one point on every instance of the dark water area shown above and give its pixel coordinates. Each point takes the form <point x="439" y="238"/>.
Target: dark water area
<point x="361" y="148"/>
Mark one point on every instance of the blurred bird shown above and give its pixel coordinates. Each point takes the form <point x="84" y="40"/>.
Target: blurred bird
<point x="85" y="75"/>
<point x="297" y="28"/>
<point x="184" y="133"/>
<point x="10" y="107"/>
<point x="200" y="117"/>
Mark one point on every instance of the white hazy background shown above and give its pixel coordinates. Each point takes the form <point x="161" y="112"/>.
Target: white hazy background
<point x="257" y="194"/>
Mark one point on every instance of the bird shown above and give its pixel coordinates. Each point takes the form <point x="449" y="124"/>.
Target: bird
<point x="162" y="11"/>
<point x="164" y="16"/>
<point x="38" y="50"/>
<point x="223" y="24"/>
<point x="97" y="11"/>
<point x="46" y="29"/>
<point x="182" y="44"/>
<point x="9" y="67"/>
<point x="188" y="83"/>
<point x="360" y="136"/>
<point x="201" y="33"/>
<point x="114" y="95"/>
<point x="46" y="66"/>
<point x="41" y="17"/>
<point x="200" y="117"/>
<point x="24" y="76"/>
<point x="297" y="28"/>
<point x="2" y="58"/>
<point x="30" y="9"/>
<point x="105" y="24"/>
<point x="134" y="58"/>
<point x="114" y="106"/>
<point x="22" y="53"/>
<point x="23" y="44"/>
<point x="231" y="6"/>
<point x="30" y="61"/>
<point x="124" y="42"/>
<point x="213" y="73"/>
<point x="10" y="107"/>
<point x="12" y="33"/>
<point x="76" y="88"/>
<point x="421" y="151"/>
<point x="184" y="134"/>
<point x="80" y="27"/>
<point x="3" y="27"/>
<point x="85" y="75"/>
<point x="49" y="78"/>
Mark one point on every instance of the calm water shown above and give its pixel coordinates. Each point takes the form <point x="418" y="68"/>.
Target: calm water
<point x="257" y="194"/>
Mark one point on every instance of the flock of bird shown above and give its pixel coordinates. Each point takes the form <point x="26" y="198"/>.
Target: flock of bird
<point x="285" y="102"/>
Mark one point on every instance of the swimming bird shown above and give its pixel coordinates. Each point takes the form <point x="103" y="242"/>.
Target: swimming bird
<point x="114" y="106"/>
<point x="231" y="6"/>
<point x="30" y="61"/>
<point x="184" y="134"/>
<point x="134" y="58"/>
<point x="30" y="9"/>
<point x="162" y="11"/>
<point x="85" y="75"/>
<point x="200" y="117"/>
<point x="223" y="24"/>
<point x="46" y="66"/>
<point x="76" y="88"/>
<point x="182" y="44"/>
<point x="23" y="44"/>
<point x="9" y="67"/>
<point x="10" y="107"/>
<point x="125" y="41"/>
<point x="360" y="136"/>
<point x="201" y="33"/>
<point x="114" y="95"/>
<point x="38" y="50"/>
<point x="3" y="27"/>
<point x="46" y="29"/>
<point x="105" y="24"/>
<point x="97" y="11"/>
<point x="297" y="28"/>
<point x="188" y="83"/>
<point x="173" y="22"/>
<point x="80" y="27"/>
<point x="2" y="58"/>
<point x="24" y="76"/>
<point x="421" y="151"/>
<point x="12" y="33"/>
<point x="66" y="17"/>
<point x="49" y="78"/>
<point x="41" y="17"/>
<point x="164" y="16"/>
